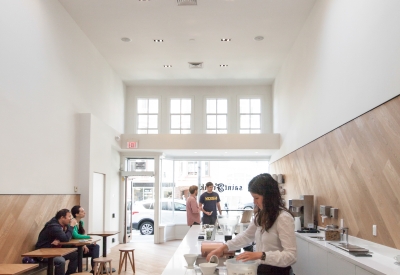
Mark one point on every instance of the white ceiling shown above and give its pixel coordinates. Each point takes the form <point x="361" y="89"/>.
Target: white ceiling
<point x="192" y="34"/>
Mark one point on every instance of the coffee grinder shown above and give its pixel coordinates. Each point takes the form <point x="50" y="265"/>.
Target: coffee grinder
<point x="303" y="208"/>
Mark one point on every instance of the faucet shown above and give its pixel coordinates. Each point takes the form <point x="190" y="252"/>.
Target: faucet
<point x="345" y="231"/>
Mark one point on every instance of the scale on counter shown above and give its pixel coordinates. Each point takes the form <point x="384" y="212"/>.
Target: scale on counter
<point x="354" y="250"/>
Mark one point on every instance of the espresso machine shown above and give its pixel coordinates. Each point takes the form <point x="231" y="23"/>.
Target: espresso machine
<point x="303" y="208"/>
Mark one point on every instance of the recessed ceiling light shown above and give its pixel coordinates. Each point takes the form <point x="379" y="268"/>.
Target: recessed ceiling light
<point x="225" y="39"/>
<point x="223" y="65"/>
<point x="143" y="0"/>
<point x="167" y="66"/>
<point x="158" y="40"/>
<point x="186" y="2"/>
<point x="126" y="39"/>
<point x="259" y="38"/>
<point x="195" y="152"/>
<point x="256" y="152"/>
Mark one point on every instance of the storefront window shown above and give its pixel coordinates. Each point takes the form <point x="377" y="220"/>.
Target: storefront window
<point x="230" y="179"/>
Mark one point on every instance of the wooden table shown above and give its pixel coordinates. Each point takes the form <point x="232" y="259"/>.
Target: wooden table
<point x="14" y="269"/>
<point x="50" y="254"/>
<point x="105" y="234"/>
<point x="79" y="244"/>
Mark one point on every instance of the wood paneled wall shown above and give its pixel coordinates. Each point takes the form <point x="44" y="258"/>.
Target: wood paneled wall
<point x="355" y="168"/>
<point x="21" y="219"/>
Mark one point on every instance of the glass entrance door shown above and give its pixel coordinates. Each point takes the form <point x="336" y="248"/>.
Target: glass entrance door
<point x="141" y="179"/>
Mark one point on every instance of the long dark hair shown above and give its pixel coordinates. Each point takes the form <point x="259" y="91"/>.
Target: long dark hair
<point x="74" y="211"/>
<point x="267" y="187"/>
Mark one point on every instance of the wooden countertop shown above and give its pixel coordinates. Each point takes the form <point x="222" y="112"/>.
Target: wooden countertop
<point x="14" y="269"/>
<point x="80" y="242"/>
<point x="104" y="233"/>
<point x="49" y="252"/>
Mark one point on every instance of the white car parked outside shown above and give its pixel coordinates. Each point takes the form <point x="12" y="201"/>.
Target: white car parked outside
<point x="143" y="214"/>
<point x="247" y="205"/>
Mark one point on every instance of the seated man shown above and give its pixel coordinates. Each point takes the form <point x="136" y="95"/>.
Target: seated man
<point x="58" y="230"/>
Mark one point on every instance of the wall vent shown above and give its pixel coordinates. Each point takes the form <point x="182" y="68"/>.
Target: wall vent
<point x="186" y="2"/>
<point x="195" y="65"/>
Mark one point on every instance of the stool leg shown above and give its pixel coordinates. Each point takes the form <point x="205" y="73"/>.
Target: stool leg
<point x="126" y="259"/>
<point x="95" y="269"/>
<point x="130" y="260"/>
<point x="121" y="261"/>
<point x="133" y="261"/>
<point x="110" y="270"/>
<point x="100" y="269"/>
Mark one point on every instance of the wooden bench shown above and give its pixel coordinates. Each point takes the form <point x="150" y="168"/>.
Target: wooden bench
<point x="36" y="270"/>
<point x="23" y="222"/>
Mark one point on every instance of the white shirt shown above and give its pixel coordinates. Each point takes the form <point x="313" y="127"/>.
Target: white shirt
<point x="279" y="243"/>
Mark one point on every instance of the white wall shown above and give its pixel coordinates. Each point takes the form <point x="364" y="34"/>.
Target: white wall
<point x="104" y="158"/>
<point x="199" y="96"/>
<point x="345" y="62"/>
<point x="49" y="73"/>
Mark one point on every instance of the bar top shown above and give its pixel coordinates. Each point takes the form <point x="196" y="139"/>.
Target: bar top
<point x="189" y="245"/>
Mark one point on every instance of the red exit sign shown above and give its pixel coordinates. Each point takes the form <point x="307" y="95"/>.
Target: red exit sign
<point x="132" y="144"/>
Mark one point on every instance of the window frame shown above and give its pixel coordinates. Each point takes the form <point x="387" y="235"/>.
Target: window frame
<point x="148" y="113"/>
<point x="239" y="114"/>
<point x="190" y="129"/>
<point x="216" y="114"/>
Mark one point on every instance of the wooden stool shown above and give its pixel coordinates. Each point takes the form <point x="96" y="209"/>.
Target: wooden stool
<point x="100" y="265"/>
<point x="82" y="273"/>
<point x="123" y="258"/>
<point x="87" y="263"/>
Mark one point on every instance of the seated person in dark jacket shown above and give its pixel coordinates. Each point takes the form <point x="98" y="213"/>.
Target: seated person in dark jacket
<point x="58" y="230"/>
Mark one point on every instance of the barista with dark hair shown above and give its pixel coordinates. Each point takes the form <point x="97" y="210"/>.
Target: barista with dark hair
<point x="272" y="231"/>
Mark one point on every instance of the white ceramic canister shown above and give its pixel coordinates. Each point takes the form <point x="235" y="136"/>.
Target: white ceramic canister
<point x="241" y="268"/>
<point x="297" y="223"/>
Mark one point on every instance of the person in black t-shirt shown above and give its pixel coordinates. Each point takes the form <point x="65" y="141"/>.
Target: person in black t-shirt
<point x="209" y="202"/>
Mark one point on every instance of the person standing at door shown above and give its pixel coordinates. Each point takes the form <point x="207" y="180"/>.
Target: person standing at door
<point x="192" y="207"/>
<point x="90" y="250"/>
<point x="209" y="202"/>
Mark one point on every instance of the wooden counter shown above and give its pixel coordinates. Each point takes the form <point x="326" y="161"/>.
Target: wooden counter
<point x="14" y="269"/>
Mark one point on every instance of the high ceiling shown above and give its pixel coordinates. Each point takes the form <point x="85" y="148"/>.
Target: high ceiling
<point x="192" y="34"/>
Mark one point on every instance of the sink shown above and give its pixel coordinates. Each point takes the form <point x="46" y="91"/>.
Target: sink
<point x="200" y="259"/>
<point x="319" y="238"/>
<point x="350" y="247"/>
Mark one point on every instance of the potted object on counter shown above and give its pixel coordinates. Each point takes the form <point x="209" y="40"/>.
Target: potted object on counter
<point x="332" y="233"/>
